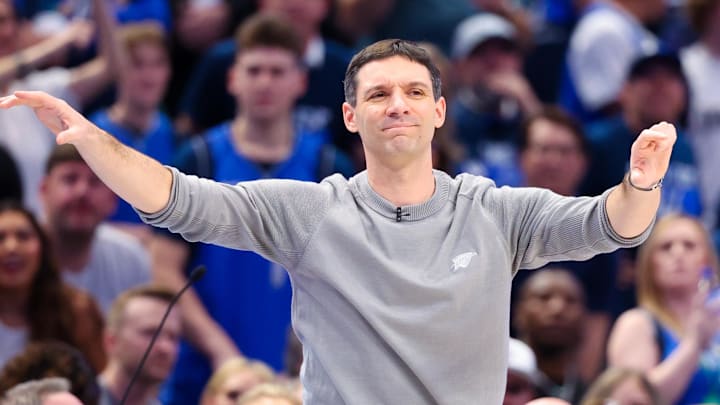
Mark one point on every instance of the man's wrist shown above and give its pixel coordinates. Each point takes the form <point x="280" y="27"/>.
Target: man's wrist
<point x="655" y="186"/>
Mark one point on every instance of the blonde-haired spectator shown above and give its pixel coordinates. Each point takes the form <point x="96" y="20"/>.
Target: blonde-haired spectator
<point x="233" y="379"/>
<point x="669" y="336"/>
<point x="269" y="394"/>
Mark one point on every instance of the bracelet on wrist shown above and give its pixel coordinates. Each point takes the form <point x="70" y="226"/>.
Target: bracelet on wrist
<point x="657" y="185"/>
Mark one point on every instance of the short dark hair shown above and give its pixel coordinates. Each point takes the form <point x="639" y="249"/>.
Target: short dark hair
<point x="383" y="50"/>
<point x="61" y="154"/>
<point x="264" y="30"/>
<point x="557" y="116"/>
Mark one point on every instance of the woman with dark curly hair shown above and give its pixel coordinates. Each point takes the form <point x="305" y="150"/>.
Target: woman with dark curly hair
<point x="41" y="360"/>
<point x="35" y="305"/>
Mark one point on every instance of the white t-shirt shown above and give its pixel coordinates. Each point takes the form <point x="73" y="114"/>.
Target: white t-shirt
<point x="118" y="262"/>
<point x="603" y="46"/>
<point x="12" y="342"/>
<point x="27" y="139"/>
<point x="702" y="70"/>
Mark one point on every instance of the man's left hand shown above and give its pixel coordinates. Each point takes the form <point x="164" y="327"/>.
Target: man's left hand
<point x="650" y="154"/>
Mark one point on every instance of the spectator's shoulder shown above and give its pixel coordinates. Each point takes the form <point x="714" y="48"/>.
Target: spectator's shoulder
<point x="634" y="320"/>
<point x="119" y="240"/>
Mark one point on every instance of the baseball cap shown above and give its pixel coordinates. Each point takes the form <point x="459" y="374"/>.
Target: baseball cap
<point x="646" y="63"/>
<point x="477" y="29"/>
<point x="521" y="360"/>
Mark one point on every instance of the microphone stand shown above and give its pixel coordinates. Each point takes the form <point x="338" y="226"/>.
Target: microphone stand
<point x="195" y="275"/>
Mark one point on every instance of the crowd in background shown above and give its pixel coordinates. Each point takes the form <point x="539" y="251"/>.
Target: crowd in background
<point x="541" y="93"/>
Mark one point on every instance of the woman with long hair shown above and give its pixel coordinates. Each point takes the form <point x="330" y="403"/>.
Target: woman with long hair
<point x="35" y="305"/>
<point x="669" y="336"/>
<point x="621" y="386"/>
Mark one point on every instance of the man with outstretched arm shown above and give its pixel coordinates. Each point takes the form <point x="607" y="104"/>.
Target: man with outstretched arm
<point x="401" y="274"/>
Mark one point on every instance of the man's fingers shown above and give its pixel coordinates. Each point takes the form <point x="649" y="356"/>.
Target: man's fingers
<point x="33" y="99"/>
<point x="656" y="140"/>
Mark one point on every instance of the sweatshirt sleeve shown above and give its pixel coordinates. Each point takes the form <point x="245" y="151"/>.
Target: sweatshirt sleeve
<point x="274" y="218"/>
<point x="541" y="226"/>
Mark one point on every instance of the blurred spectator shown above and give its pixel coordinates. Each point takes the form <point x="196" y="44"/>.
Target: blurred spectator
<point x="554" y="155"/>
<point x="50" y="16"/>
<point x="654" y="91"/>
<point x="523" y="379"/>
<point x="269" y="394"/>
<point x="198" y="26"/>
<point x="135" y="118"/>
<point x="48" y="391"/>
<point x="28" y="141"/>
<point x="549" y="317"/>
<point x="52" y="359"/>
<point x="621" y="386"/>
<point x="91" y="255"/>
<point x="10" y="185"/>
<point x="35" y="305"/>
<point x="701" y="63"/>
<point x="233" y="379"/>
<point x="133" y="319"/>
<point x="670" y="335"/>
<point x="493" y="96"/>
<point x="15" y="33"/>
<point x="202" y="23"/>
<point x="416" y="20"/>
<point x="608" y="38"/>
<point x="553" y="151"/>
<point x="243" y="303"/>
<point x="552" y="23"/>
<point x="319" y="107"/>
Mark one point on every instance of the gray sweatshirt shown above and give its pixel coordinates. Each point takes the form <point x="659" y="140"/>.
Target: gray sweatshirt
<point x="405" y="305"/>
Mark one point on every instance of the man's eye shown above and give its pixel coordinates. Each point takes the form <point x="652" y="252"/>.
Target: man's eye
<point x="379" y="94"/>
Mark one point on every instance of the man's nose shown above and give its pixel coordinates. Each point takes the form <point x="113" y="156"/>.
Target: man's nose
<point x="397" y="104"/>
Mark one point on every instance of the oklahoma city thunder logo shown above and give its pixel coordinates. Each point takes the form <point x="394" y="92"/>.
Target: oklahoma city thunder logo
<point x="462" y="260"/>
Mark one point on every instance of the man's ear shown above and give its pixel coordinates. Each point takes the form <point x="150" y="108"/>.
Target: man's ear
<point x="349" y="117"/>
<point x="440" y="111"/>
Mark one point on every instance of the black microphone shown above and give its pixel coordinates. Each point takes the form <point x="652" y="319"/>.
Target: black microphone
<point x="196" y="274"/>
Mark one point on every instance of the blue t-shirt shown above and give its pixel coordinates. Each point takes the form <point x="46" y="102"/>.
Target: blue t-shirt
<point x="157" y="142"/>
<point x="249" y="296"/>
<point x="610" y="142"/>
<point x="704" y="386"/>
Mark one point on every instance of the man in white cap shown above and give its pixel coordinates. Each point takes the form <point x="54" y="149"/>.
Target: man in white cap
<point x="522" y="375"/>
<point x="493" y="97"/>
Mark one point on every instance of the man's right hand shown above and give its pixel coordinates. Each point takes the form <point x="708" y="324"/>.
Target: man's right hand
<point x="68" y="125"/>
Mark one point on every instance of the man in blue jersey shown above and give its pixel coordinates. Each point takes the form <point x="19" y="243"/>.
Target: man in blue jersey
<point x="401" y="274"/>
<point x="243" y="304"/>
<point x="136" y="118"/>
